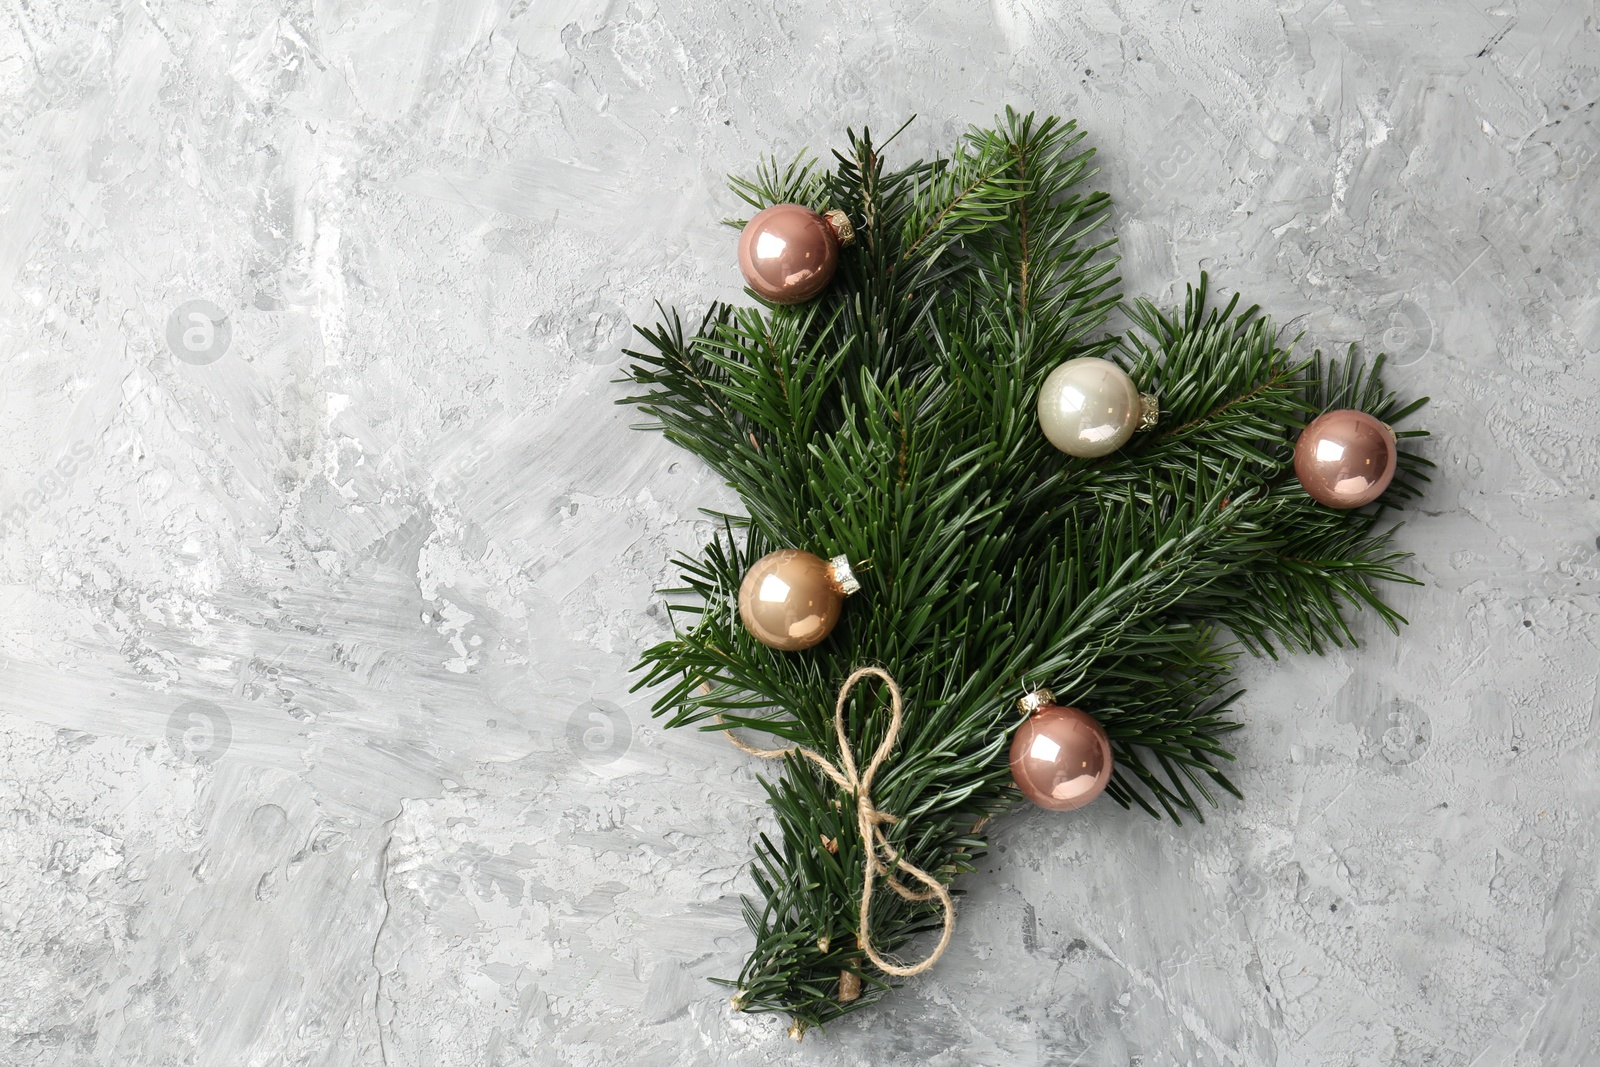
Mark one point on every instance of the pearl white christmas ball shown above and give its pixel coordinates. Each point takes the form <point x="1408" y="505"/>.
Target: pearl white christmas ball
<point x="1089" y="407"/>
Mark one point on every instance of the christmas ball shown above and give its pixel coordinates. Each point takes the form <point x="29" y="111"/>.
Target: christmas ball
<point x="1345" y="459"/>
<point x="791" y="600"/>
<point x="1060" y="757"/>
<point x="1090" y="407"/>
<point x="788" y="252"/>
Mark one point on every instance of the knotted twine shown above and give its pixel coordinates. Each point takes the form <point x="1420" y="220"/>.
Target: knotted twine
<point x="882" y="858"/>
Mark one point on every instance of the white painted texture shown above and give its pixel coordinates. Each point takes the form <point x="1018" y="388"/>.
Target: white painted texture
<point x="299" y="643"/>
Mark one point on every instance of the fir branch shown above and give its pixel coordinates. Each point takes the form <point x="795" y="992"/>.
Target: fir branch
<point x="892" y="420"/>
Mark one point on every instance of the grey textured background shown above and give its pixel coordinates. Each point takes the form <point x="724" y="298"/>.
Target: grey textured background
<point x="315" y="738"/>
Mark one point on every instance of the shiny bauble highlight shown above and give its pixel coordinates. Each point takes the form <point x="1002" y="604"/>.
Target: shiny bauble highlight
<point x="789" y="253"/>
<point x="1060" y="758"/>
<point x="1345" y="458"/>
<point x="1090" y="407"/>
<point x="791" y="600"/>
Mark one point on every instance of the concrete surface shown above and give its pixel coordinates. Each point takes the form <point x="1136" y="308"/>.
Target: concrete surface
<point x="325" y="553"/>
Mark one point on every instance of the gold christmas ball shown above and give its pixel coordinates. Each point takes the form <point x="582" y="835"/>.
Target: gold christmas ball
<point x="1060" y="756"/>
<point x="1090" y="407"/>
<point x="791" y="600"/>
<point x="1345" y="459"/>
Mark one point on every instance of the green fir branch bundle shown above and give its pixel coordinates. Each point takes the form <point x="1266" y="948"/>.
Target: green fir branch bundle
<point x="892" y="420"/>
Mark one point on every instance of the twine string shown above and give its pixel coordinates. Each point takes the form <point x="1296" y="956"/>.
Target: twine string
<point x="883" y="860"/>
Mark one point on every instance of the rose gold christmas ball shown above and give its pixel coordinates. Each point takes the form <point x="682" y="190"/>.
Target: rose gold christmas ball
<point x="788" y="253"/>
<point x="790" y="600"/>
<point x="1061" y="758"/>
<point x="1345" y="459"/>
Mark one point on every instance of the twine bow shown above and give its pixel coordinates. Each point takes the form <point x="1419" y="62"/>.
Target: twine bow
<point x="883" y="859"/>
